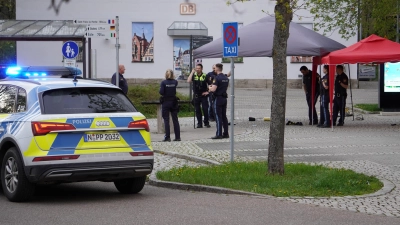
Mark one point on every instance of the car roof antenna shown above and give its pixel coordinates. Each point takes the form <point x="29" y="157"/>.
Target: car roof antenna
<point x="75" y="80"/>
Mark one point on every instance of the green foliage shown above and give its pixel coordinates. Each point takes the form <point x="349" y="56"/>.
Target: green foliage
<point x="138" y="94"/>
<point x="375" y="17"/>
<point x="299" y="179"/>
<point x="8" y="52"/>
<point x="7" y="9"/>
<point x="368" y="107"/>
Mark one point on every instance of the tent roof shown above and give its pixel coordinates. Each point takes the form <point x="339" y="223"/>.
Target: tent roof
<point x="41" y="30"/>
<point x="256" y="40"/>
<point x="373" y="49"/>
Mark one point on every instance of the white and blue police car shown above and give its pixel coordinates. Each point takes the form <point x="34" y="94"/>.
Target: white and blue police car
<point x="57" y="128"/>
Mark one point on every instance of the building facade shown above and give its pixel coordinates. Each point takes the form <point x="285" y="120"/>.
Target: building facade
<point x="146" y="48"/>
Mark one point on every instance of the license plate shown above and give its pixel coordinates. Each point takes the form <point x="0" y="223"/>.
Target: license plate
<point x="102" y="137"/>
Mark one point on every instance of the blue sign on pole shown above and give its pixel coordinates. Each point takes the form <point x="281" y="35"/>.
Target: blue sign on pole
<point x="230" y="38"/>
<point x="70" y="50"/>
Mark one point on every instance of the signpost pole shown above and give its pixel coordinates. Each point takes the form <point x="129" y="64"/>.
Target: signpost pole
<point x="230" y="49"/>
<point x="117" y="50"/>
<point x="232" y="81"/>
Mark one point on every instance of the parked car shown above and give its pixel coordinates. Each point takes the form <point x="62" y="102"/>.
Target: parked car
<point x="57" y="127"/>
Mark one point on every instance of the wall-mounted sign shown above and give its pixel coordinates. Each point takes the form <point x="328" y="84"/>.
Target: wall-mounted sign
<point x="188" y="9"/>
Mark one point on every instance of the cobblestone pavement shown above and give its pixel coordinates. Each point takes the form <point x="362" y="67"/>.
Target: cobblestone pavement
<point x="370" y="146"/>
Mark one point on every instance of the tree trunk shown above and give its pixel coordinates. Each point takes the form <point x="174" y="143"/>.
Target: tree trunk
<point x="283" y="17"/>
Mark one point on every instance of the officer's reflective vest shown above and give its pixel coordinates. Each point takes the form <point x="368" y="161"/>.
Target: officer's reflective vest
<point x="200" y="84"/>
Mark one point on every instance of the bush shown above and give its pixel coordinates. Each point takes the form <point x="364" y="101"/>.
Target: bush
<point x="138" y="94"/>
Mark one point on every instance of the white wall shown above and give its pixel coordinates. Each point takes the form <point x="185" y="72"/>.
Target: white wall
<point x="163" y="13"/>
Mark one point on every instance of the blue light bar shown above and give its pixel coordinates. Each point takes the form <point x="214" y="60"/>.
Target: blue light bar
<point x="12" y="71"/>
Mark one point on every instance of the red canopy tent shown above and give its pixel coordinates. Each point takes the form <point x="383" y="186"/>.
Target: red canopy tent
<point x="373" y="49"/>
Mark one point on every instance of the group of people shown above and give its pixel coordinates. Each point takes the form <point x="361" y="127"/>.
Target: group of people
<point x="322" y="88"/>
<point x="209" y="99"/>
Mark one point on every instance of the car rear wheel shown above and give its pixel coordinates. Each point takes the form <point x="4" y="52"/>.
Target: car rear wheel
<point x="16" y="186"/>
<point x="131" y="185"/>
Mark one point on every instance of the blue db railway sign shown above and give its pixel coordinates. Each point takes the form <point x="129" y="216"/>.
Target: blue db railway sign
<point x="230" y="38"/>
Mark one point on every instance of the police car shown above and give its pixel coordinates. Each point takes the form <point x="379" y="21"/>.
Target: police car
<point x="56" y="128"/>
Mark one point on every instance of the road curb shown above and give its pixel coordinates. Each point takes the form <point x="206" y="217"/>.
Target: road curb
<point x="189" y="157"/>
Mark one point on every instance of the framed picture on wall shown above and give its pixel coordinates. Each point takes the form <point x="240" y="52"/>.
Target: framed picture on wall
<point x="181" y="58"/>
<point x="142" y="42"/>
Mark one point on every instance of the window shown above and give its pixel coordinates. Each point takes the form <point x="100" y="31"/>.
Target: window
<point x="7" y="98"/>
<point x="86" y="100"/>
<point x="21" y="100"/>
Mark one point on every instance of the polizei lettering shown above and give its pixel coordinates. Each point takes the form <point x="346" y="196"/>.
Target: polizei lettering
<point x="82" y="121"/>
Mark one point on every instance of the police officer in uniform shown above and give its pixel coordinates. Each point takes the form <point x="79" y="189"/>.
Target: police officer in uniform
<point x="122" y="81"/>
<point x="170" y="104"/>
<point x="219" y="87"/>
<point x="200" y="91"/>
<point x="339" y="102"/>
<point x="307" y="83"/>
<point x="324" y="121"/>
<point x="210" y="78"/>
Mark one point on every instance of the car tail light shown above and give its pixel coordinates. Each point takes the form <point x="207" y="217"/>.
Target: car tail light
<point x="141" y="153"/>
<point x="43" y="128"/>
<point x="139" y="124"/>
<point x="58" y="157"/>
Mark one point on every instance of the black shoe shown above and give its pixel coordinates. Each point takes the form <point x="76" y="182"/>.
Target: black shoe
<point x="207" y="125"/>
<point x="177" y="139"/>
<point x="334" y="124"/>
<point x="166" y="139"/>
<point x="225" y="136"/>
<point x="217" y="137"/>
<point x="326" y="126"/>
<point x="199" y="126"/>
<point x="340" y="124"/>
<point x="315" y="122"/>
<point x="319" y="125"/>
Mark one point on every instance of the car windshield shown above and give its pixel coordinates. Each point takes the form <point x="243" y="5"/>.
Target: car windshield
<point x="85" y="100"/>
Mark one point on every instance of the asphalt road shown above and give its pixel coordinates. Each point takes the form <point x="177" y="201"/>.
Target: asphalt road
<point x="100" y="203"/>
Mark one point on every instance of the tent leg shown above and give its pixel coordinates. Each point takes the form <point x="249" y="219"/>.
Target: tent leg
<point x="351" y="92"/>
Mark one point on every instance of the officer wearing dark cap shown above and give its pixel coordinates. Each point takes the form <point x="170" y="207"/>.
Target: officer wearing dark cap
<point x="200" y="91"/>
<point x="339" y="102"/>
<point x="170" y="105"/>
<point x="219" y="87"/>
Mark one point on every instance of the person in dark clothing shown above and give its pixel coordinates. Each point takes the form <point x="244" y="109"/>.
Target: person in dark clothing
<point x="170" y="105"/>
<point x="339" y="102"/>
<point x="324" y="120"/>
<point x="219" y="87"/>
<point x="200" y="95"/>
<point x="122" y="81"/>
<point x="307" y="83"/>
<point x="210" y="78"/>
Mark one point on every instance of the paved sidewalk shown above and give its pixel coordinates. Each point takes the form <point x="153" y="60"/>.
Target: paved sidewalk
<point x="369" y="146"/>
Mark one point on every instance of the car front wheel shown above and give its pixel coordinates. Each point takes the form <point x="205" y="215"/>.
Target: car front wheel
<point x="16" y="186"/>
<point x="131" y="185"/>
